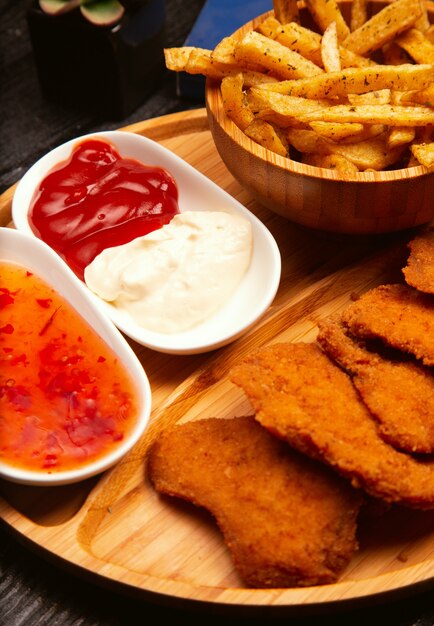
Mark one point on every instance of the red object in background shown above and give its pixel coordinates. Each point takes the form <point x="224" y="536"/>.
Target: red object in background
<point x="65" y="399"/>
<point x="98" y="199"/>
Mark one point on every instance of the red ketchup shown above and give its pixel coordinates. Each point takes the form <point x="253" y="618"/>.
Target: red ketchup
<point x="98" y="199"/>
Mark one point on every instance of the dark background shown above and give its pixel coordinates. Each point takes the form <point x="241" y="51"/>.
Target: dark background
<point x="34" y="591"/>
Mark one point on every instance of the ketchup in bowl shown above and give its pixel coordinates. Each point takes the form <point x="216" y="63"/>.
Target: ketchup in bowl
<point x="98" y="199"/>
<point x="65" y="398"/>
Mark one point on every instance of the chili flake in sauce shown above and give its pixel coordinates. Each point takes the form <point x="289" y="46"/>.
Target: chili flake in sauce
<point x="65" y="399"/>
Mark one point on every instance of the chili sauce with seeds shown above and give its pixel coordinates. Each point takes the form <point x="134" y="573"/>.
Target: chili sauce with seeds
<point x="97" y="199"/>
<point x="65" y="399"/>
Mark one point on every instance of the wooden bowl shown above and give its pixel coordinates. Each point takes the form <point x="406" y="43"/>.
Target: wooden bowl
<point x="360" y="203"/>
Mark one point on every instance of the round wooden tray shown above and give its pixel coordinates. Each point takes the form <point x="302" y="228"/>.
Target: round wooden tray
<point x="119" y="530"/>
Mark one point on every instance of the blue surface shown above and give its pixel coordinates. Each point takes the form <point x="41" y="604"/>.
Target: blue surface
<point x="218" y="19"/>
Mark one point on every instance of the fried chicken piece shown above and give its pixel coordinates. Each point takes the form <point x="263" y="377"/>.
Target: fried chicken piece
<point x="400" y="394"/>
<point x="419" y="272"/>
<point x="299" y="394"/>
<point x="288" y="521"/>
<point x="399" y="315"/>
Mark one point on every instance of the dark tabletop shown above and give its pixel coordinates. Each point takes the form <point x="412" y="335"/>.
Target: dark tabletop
<point x="33" y="590"/>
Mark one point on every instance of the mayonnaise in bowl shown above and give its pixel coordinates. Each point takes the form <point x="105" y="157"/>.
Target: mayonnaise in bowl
<point x="176" y="277"/>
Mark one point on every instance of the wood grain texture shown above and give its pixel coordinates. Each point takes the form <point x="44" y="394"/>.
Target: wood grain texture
<point x="117" y="528"/>
<point x="359" y="203"/>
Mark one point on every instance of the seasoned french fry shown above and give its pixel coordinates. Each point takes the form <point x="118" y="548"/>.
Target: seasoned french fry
<point x="384" y="26"/>
<point x="234" y="101"/>
<point x="422" y="23"/>
<point x="429" y="33"/>
<point x="268" y="136"/>
<point x="330" y="49"/>
<point x="279" y="109"/>
<point x="357" y="80"/>
<point x="393" y="115"/>
<point x="200" y="61"/>
<point x="273" y="56"/>
<point x="285" y="10"/>
<point x="306" y="141"/>
<point x="358" y="14"/>
<point x="331" y="161"/>
<point x="417" y="46"/>
<point x="350" y="132"/>
<point x="369" y="154"/>
<point x="324" y="12"/>
<point x="307" y="43"/>
<point x="400" y="136"/>
<point x="424" y="153"/>
<point x="380" y="96"/>
<point x="337" y="131"/>
<point x="176" y="58"/>
<point x="425" y="96"/>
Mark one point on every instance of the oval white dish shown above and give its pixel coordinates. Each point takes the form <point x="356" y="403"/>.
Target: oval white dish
<point x="33" y="254"/>
<point x="196" y="193"/>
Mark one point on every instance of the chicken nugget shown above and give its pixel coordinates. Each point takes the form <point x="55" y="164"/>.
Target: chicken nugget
<point x="287" y="521"/>
<point x="399" y="394"/>
<point x="399" y="315"/>
<point x="299" y="394"/>
<point x="419" y="271"/>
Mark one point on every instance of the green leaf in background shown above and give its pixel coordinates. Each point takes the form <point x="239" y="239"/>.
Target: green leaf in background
<point x="102" y="12"/>
<point x="56" y="7"/>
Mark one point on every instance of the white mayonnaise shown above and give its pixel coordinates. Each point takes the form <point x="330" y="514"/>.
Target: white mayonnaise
<point x="179" y="275"/>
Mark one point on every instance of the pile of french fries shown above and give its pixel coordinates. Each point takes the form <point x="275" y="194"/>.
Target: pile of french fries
<point x="355" y="95"/>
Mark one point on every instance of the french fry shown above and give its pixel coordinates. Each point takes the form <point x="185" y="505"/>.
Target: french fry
<point x="371" y="154"/>
<point x="268" y="136"/>
<point x="306" y="141"/>
<point x="324" y="12"/>
<point x="335" y="130"/>
<point x="380" y="96"/>
<point x="400" y="136"/>
<point x="358" y="14"/>
<point x="273" y="56"/>
<point x="417" y="46"/>
<point x="424" y="153"/>
<point x="331" y="161"/>
<point x="307" y="43"/>
<point x="224" y="52"/>
<point x="381" y="28"/>
<point x="346" y="132"/>
<point x="285" y="10"/>
<point x="429" y="33"/>
<point x="176" y="58"/>
<point x="425" y="96"/>
<point x="357" y="80"/>
<point x="234" y="101"/>
<point x="392" y="115"/>
<point x="281" y="110"/>
<point x="200" y="61"/>
<point x="330" y="49"/>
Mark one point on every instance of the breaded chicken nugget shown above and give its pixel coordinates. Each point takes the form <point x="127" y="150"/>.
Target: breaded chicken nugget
<point x="299" y="394"/>
<point x="287" y="520"/>
<point x="399" y="315"/>
<point x="400" y="394"/>
<point x="419" y="272"/>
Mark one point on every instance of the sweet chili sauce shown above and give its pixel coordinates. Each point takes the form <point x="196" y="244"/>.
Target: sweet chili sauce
<point x="65" y="400"/>
<point x="97" y="199"/>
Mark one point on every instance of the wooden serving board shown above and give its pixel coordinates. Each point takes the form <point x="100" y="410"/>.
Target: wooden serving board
<point x="117" y="528"/>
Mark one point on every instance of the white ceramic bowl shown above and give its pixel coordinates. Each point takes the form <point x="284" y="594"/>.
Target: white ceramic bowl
<point x="36" y="256"/>
<point x="196" y="193"/>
